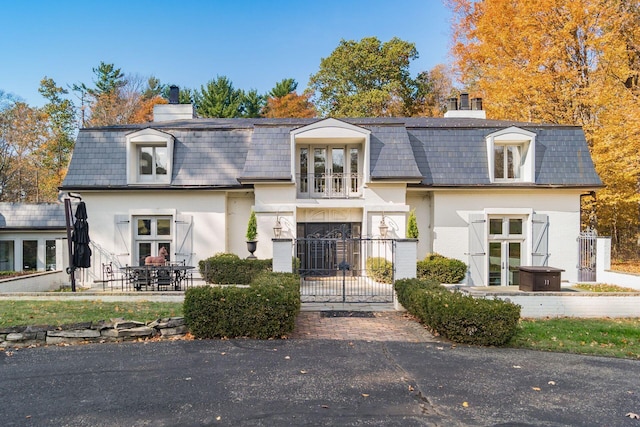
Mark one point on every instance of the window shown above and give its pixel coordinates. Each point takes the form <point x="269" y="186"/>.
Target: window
<point x="330" y="171"/>
<point x="152" y="163"/>
<point x="30" y="255"/>
<point x="149" y="157"/>
<point x="511" y="155"/>
<point x="151" y="234"/>
<point x="7" y="255"/>
<point x="50" y="255"/>
<point x="507" y="162"/>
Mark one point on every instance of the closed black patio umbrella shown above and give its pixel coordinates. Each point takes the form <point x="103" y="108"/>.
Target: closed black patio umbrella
<point x="80" y="239"/>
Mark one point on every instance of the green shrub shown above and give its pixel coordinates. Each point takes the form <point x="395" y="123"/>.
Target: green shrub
<point x="230" y="269"/>
<point x="380" y="269"/>
<point x="412" y="225"/>
<point x="458" y="317"/>
<point x="441" y="269"/>
<point x="266" y="309"/>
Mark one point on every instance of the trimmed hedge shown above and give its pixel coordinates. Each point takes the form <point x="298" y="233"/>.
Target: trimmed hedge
<point x="441" y="269"/>
<point x="458" y="317"/>
<point x="266" y="309"/>
<point x="230" y="269"/>
<point x="380" y="269"/>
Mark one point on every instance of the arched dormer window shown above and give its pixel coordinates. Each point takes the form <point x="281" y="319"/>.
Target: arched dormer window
<point x="330" y="159"/>
<point x="149" y="157"/>
<point x="511" y="155"/>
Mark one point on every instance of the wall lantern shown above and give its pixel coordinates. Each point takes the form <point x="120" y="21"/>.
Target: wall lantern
<point x="277" y="229"/>
<point x="383" y="227"/>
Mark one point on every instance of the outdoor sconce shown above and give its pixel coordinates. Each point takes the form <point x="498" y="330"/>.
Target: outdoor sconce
<point x="383" y="227"/>
<point x="277" y="229"/>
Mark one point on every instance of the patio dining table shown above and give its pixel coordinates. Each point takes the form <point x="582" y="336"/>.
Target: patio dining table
<point x="158" y="277"/>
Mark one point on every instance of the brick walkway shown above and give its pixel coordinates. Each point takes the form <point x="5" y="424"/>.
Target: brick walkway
<point x="383" y="326"/>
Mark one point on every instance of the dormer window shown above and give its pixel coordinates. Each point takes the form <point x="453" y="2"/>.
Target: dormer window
<point x="330" y="159"/>
<point x="511" y="155"/>
<point x="149" y="157"/>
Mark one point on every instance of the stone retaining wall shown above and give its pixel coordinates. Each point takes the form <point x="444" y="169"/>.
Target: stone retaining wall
<point x="89" y="332"/>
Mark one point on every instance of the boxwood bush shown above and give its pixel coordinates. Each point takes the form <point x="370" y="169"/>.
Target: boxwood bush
<point x="230" y="269"/>
<point x="380" y="269"/>
<point x="458" y="317"/>
<point x="267" y="308"/>
<point x="441" y="269"/>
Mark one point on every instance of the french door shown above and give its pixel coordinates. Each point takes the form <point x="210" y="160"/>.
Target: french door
<point x="506" y="244"/>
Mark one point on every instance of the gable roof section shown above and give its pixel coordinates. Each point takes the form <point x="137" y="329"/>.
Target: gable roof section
<point x="25" y="216"/>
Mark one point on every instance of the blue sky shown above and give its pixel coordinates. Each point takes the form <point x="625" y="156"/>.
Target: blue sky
<point x="189" y="42"/>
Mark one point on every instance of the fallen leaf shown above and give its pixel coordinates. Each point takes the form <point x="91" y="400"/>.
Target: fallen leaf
<point x="536" y="388"/>
<point x="465" y="404"/>
<point x="218" y="418"/>
<point x="287" y="357"/>
<point x="517" y="367"/>
<point x="365" y="395"/>
<point x="551" y="383"/>
<point x="325" y="406"/>
<point x="223" y="353"/>
<point x="439" y="348"/>
<point x="303" y="372"/>
<point x="633" y="416"/>
<point x="410" y="388"/>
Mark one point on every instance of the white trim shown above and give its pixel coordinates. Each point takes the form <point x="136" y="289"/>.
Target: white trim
<point x="144" y="137"/>
<point x="518" y="137"/>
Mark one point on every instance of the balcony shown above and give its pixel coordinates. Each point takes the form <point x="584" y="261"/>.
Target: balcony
<point x="329" y="185"/>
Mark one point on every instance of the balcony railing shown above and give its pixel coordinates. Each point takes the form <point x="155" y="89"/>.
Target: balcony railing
<point x="329" y="185"/>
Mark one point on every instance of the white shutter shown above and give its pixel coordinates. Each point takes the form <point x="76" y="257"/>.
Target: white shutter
<point x="184" y="239"/>
<point x="477" y="249"/>
<point x="540" y="240"/>
<point x="122" y="239"/>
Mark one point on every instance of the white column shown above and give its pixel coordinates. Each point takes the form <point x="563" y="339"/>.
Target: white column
<point x="282" y="255"/>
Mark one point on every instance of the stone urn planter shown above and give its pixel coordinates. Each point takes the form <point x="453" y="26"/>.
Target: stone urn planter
<point x="252" y="234"/>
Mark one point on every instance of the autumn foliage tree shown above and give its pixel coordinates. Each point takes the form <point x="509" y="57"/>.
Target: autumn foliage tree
<point x="564" y="61"/>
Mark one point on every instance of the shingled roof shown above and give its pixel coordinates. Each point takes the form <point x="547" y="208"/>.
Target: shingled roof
<point x="24" y="216"/>
<point x="431" y="152"/>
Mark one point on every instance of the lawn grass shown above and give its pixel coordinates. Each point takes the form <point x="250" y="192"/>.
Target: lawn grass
<point x="602" y="287"/>
<point x="56" y="313"/>
<point x="602" y="337"/>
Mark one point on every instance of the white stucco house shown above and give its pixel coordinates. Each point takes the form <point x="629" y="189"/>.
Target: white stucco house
<point x="494" y="194"/>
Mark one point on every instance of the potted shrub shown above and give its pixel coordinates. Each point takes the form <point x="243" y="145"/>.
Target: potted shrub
<point x="252" y="234"/>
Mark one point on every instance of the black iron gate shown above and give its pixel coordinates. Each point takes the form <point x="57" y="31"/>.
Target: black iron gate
<point x="333" y="267"/>
<point x="587" y="255"/>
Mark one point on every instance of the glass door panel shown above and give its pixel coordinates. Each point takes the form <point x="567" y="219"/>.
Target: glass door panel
<point x="515" y="258"/>
<point x="319" y="170"/>
<point x="337" y="171"/>
<point x="495" y="263"/>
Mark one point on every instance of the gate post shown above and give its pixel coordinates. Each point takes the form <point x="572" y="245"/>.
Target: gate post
<point x="282" y="253"/>
<point x="406" y="259"/>
<point x="603" y="255"/>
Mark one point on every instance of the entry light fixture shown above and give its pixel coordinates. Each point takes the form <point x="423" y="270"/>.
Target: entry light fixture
<point x="277" y="229"/>
<point x="383" y="227"/>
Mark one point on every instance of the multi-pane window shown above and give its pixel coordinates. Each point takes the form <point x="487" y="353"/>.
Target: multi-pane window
<point x="329" y="171"/>
<point x="507" y="161"/>
<point x="506" y="240"/>
<point x="152" y="163"/>
<point x="151" y="234"/>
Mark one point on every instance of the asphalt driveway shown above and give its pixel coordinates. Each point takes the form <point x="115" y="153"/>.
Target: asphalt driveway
<point x="312" y="382"/>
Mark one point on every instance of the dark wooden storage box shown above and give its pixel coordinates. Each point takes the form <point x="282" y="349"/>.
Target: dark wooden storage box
<point x="535" y="279"/>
